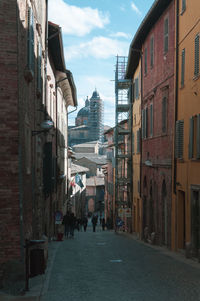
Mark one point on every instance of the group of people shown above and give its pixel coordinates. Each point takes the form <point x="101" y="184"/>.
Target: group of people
<point x="71" y="223"/>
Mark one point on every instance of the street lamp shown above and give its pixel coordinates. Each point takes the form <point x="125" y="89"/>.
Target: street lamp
<point x="46" y="125"/>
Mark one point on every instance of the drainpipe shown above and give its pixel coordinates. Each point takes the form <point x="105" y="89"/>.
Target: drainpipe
<point x="176" y="91"/>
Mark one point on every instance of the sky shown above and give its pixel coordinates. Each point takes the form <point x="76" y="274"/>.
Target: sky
<point x="94" y="33"/>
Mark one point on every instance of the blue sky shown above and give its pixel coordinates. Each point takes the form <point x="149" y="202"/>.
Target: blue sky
<point x="94" y="33"/>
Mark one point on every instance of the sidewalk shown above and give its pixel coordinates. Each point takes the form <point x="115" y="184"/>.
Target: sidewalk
<point x="37" y="285"/>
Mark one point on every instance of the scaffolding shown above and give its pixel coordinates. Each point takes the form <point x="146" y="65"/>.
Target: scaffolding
<point x="123" y="123"/>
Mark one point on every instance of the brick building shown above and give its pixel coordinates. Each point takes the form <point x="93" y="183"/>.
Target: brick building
<point x="154" y="42"/>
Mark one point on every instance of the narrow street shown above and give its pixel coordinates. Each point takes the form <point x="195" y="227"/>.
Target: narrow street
<point x="113" y="267"/>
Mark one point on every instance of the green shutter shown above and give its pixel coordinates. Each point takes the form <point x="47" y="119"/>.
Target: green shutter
<point x="183" y="68"/>
<point x="183" y="5"/>
<point x="191" y="138"/>
<point x="133" y="144"/>
<point x="151" y="120"/>
<point x="39" y="62"/>
<point x="179" y="139"/>
<point x="198" y="136"/>
<point x="138" y="141"/>
<point x="196" y="56"/>
<point x="146" y="122"/>
<point x="30" y="40"/>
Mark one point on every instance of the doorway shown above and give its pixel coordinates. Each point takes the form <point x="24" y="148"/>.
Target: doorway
<point x="181" y="228"/>
<point x="195" y="220"/>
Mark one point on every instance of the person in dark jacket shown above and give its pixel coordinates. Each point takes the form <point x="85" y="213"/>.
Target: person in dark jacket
<point x="85" y="223"/>
<point x="103" y="223"/>
<point x="66" y="223"/>
<point x="94" y="222"/>
<point x="72" y="223"/>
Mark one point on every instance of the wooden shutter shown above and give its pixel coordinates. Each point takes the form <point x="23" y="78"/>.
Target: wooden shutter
<point x="30" y="39"/>
<point x="198" y="136"/>
<point x="143" y="123"/>
<point x="133" y="143"/>
<point x="39" y="62"/>
<point x="179" y="139"/>
<point x="191" y="138"/>
<point x="138" y="141"/>
<point x="196" y="56"/>
<point x="146" y="122"/>
<point x="151" y="120"/>
<point x="166" y="34"/>
<point x="183" y="5"/>
<point x="183" y="68"/>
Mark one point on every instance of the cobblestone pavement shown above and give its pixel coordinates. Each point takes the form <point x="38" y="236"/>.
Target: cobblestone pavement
<point x="113" y="267"/>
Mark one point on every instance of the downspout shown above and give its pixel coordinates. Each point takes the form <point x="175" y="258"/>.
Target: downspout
<point x="176" y="91"/>
<point x="141" y="124"/>
<point x="20" y="171"/>
<point x="46" y="56"/>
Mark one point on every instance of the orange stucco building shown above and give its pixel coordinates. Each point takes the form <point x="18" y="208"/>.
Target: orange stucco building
<point x="186" y="167"/>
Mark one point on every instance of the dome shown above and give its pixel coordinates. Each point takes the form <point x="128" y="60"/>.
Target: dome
<point x="84" y="112"/>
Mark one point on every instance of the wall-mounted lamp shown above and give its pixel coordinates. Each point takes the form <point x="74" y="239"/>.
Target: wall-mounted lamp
<point x="46" y="125"/>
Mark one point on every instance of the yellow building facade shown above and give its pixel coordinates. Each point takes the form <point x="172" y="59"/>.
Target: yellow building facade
<point x="186" y="168"/>
<point x="136" y="150"/>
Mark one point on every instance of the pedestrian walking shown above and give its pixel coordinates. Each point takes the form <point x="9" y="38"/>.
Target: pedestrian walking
<point x="94" y="222"/>
<point x="103" y="223"/>
<point x="72" y="223"/>
<point x="85" y="223"/>
<point x="66" y="223"/>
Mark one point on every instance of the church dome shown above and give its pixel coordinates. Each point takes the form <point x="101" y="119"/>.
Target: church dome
<point x="84" y="112"/>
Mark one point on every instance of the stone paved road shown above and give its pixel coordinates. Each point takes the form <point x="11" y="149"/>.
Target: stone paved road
<point x="113" y="267"/>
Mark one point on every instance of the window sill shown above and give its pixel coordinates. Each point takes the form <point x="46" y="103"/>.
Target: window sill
<point x="196" y="77"/>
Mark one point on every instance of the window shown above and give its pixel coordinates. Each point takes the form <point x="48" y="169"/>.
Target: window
<point x="151" y="120"/>
<point x="179" y="139"/>
<point x="30" y="40"/>
<point x="133" y="143"/>
<point x="138" y="141"/>
<point x="166" y="35"/>
<point x="183" y="68"/>
<point x="196" y="56"/>
<point x="183" y="5"/>
<point x="136" y="88"/>
<point x="39" y="62"/>
<point x="145" y="61"/>
<point x="145" y="123"/>
<point x="152" y="51"/>
<point x="164" y="114"/>
<point x="194" y="137"/>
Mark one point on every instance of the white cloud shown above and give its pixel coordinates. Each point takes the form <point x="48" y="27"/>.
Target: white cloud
<point x="120" y="34"/>
<point x="134" y="7"/>
<point x="99" y="47"/>
<point x="75" y="20"/>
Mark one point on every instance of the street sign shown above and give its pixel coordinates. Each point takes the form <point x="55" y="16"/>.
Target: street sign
<point x="121" y="212"/>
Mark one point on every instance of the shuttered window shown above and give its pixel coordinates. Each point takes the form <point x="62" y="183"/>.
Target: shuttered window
<point x="145" y="61"/>
<point x="152" y="51"/>
<point x="183" y="68"/>
<point x="143" y="123"/>
<point x="133" y="143"/>
<point x="151" y="120"/>
<point x="194" y="137"/>
<point x="138" y="141"/>
<point x="183" y="5"/>
<point x="166" y="35"/>
<point x="136" y="88"/>
<point x="198" y="136"/>
<point x="164" y="115"/>
<point x="196" y="56"/>
<point x="30" y="51"/>
<point x="179" y="139"/>
<point x="146" y="122"/>
<point x="191" y="138"/>
<point x="39" y="62"/>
